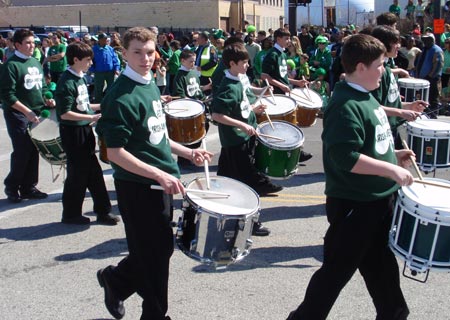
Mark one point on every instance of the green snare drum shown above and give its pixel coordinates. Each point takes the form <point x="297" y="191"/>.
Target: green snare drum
<point x="429" y="139"/>
<point x="45" y="136"/>
<point x="420" y="231"/>
<point x="278" y="159"/>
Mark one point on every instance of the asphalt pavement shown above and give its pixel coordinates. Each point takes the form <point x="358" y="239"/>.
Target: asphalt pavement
<point x="48" y="270"/>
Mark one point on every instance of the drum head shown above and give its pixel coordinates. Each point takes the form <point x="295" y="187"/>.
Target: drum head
<point x="282" y="105"/>
<point x="428" y="201"/>
<point x="413" y="83"/>
<point x="184" y="108"/>
<point x="293" y="137"/>
<point x="429" y="128"/>
<point x="242" y="200"/>
<point x="46" y="129"/>
<point x="301" y="95"/>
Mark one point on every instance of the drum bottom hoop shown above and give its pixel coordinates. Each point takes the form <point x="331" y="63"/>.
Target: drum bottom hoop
<point x="215" y="239"/>
<point x="277" y="164"/>
<point x="412" y="239"/>
<point x="435" y="152"/>
<point x="51" y="151"/>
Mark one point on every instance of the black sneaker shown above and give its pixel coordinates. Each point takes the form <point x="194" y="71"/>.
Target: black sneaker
<point x="259" y="230"/>
<point x="112" y="302"/>
<point x="107" y="219"/>
<point x="304" y="156"/>
<point x="33" y="193"/>
<point x="13" y="195"/>
<point x="268" y="188"/>
<point x="81" y="220"/>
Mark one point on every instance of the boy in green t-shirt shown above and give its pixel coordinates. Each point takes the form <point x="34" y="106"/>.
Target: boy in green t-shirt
<point x="362" y="177"/>
<point x="133" y="126"/>
<point x="232" y="108"/>
<point x="76" y="116"/>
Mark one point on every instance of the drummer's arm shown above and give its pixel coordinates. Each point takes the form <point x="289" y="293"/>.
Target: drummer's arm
<point x="402" y="73"/>
<point x="226" y="120"/>
<point x="418" y="105"/>
<point x="371" y="166"/>
<point x="130" y="163"/>
<point x="31" y="116"/>
<point x="275" y="83"/>
<point x="74" y="116"/>
<point x="408" y="115"/>
<point x="197" y="156"/>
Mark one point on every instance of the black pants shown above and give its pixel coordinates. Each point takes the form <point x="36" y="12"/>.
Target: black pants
<point x="24" y="168"/>
<point x="237" y="162"/>
<point x="83" y="172"/>
<point x="357" y="239"/>
<point x="146" y="216"/>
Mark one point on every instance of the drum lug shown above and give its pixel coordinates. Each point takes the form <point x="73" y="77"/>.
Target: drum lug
<point x="241" y="224"/>
<point x="180" y="227"/>
<point x="235" y="253"/>
<point x="288" y="154"/>
<point x="269" y="152"/>
<point x="285" y="173"/>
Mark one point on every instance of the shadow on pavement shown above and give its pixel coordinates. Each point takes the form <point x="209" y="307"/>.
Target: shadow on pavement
<point x="107" y="249"/>
<point x="285" y="212"/>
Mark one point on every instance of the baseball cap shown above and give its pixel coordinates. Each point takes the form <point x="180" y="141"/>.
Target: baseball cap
<point x="102" y="36"/>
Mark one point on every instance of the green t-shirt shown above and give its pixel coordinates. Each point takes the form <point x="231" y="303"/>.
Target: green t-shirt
<point x="72" y="95"/>
<point x="388" y="93"/>
<point x="60" y="65"/>
<point x="22" y="80"/>
<point x="174" y="63"/>
<point x="233" y="99"/>
<point x="187" y="84"/>
<point x="257" y="66"/>
<point x="355" y="124"/>
<point x="274" y="64"/>
<point x="133" y="118"/>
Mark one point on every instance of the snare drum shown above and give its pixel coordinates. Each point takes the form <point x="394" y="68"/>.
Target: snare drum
<point x="216" y="230"/>
<point x="307" y="109"/>
<point x="282" y="109"/>
<point x="278" y="159"/>
<point x="420" y="231"/>
<point x="429" y="139"/>
<point x="186" y="120"/>
<point x="414" y="89"/>
<point x="45" y="136"/>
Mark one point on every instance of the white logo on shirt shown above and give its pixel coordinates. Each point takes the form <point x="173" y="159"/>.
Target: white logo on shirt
<point x="33" y="78"/>
<point x="383" y="134"/>
<point x="82" y="98"/>
<point x="283" y="68"/>
<point x="193" y="87"/>
<point x="393" y="92"/>
<point x="157" y="125"/>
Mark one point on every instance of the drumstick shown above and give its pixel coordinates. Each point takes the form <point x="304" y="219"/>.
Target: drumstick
<point x="307" y="89"/>
<point x="219" y="194"/>
<point x="261" y="95"/>
<point x="412" y="160"/>
<point x="271" y="93"/>
<point x="175" y="108"/>
<point x="270" y="121"/>
<point x="430" y="183"/>
<point x="205" y="162"/>
<point x="271" y="137"/>
<point x="307" y="98"/>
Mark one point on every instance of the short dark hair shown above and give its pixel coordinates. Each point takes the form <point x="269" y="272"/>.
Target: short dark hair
<point x="232" y="40"/>
<point x="387" y="35"/>
<point x="360" y="48"/>
<point x="280" y="33"/>
<point x="79" y="50"/>
<point x="186" y="54"/>
<point x="235" y="52"/>
<point x="141" y="34"/>
<point x="386" y="19"/>
<point x="21" y="34"/>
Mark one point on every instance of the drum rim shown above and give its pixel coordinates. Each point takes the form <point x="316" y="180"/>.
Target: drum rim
<point x="288" y="111"/>
<point x="185" y="117"/>
<point x="298" y="145"/>
<point x="408" y="83"/>
<point x="413" y="127"/>
<point x="254" y="211"/>
<point x="427" y="213"/>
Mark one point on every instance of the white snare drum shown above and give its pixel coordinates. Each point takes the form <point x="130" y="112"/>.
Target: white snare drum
<point x="276" y="158"/>
<point x="309" y="104"/>
<point x="420" y="231"/>
<point x="216" y="230"/>
<point x="46" y="138"/>
<point x="282" y="108"/>
<point x="430" y="141"/>
<point x="186" y="121"/>
<point x="414" y="89"/>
